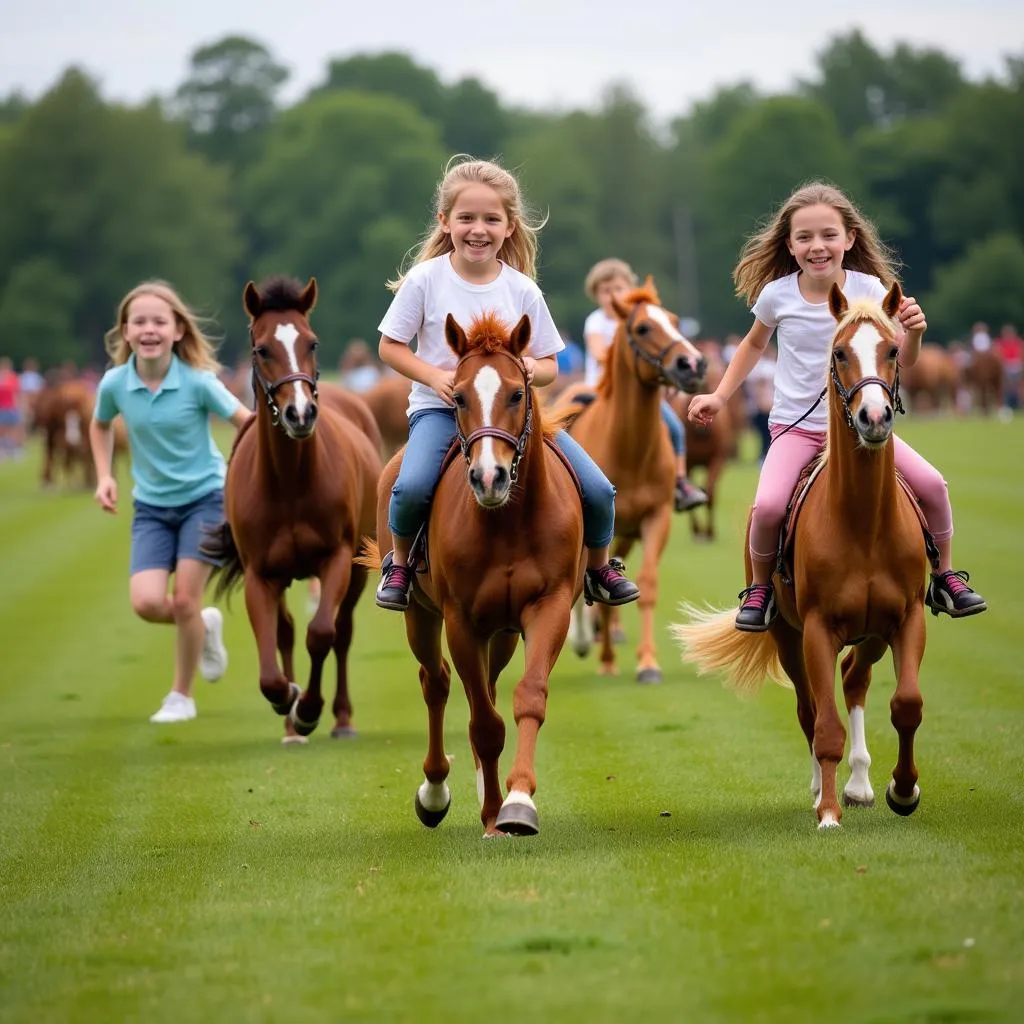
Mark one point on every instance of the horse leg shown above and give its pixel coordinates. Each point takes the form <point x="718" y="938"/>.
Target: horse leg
<point x="334" y="579"/>
<point x="654" y="533"/>
<point x="820" y="652"/>
<point x="343" y="626"/>
<point x="262" y="598"/>
<point x="856" y="671"/>
<point x="902" y="794"/>
<point x="286" y="648"/>
<point x="486" y="729"/>
<point x="582" y="634"/>
<point x="791" y="654"/>
<point x="621" y="549"/>
<point x="499" y="654"/>
<point x="715" y="468"/>
<point x="545" y="625"/>
<point x="423" y="630"/>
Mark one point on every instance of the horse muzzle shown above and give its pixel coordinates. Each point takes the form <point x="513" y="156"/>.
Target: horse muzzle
<point x="299" y="425"/>
<point x="685" y="373"/>
<point x="491" y="486"/>
<point x="874" y="424"/>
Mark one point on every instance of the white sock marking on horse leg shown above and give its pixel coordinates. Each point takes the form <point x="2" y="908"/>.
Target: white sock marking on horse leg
<point x="828" y="820"/>
<point x="288" y="334"/>
<point x="480" y="785"/>
<point x="434" y="796"/>
<point x="815" y="780"/>
<point x="517" y="796"/>
<point x="580" y="628"/>
<point x="858" y="789"/>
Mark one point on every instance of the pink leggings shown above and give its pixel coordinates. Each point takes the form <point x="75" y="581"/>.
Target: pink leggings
<point x="786" y="459"/>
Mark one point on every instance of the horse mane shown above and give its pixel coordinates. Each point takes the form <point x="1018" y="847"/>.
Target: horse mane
<point x="632" y="299"/>
<point x="866" y="309"/>
<point x="487" y="334"/>
<point x="281" y="293"/>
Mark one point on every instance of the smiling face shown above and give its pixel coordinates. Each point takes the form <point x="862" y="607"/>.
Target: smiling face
<point x="818" y="240"/>
<point x="478" y="224"/>
<point x="151" y="329"/>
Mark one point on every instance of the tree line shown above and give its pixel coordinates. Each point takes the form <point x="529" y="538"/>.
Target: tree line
<point x="221" y="182"/>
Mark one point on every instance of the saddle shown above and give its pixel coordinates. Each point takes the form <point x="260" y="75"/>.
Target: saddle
<point x="806" y="480"/>
<point x="418" y="552"/>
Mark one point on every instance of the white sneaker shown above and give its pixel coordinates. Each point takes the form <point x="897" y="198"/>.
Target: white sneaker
<point x="175" y="708"/>
<point x="213" y="662"/>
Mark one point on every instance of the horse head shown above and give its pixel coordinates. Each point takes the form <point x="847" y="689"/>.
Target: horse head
<point x="284" y="364"/>
<point x="653" y="334"/>
<point x="864" y="367"/>
<point x="493" y="402"/>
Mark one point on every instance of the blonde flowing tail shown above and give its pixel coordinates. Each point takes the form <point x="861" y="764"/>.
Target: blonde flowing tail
<point x="710" y="640"/>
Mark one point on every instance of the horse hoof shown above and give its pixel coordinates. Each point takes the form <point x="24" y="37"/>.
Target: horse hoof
<point x="856" y="801"/>
<point x="289" y="740"/>
<point x="301" y="727"/>
<point x="649" y="675"/>
<point x="343" y="732"/>
<point x="901" y="805"/>
<point x="518" y="820"/>
<point x="285" y="708"/>
<point x="428" y="817"/>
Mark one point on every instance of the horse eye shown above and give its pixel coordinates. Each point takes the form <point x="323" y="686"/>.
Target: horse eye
<point x="894" y="352"/>
<point x="643" y="329"/>
<point x="840" y="355"/>
<point x="459" y="401"/>
<point x="516" y="397"/>
<point x="262" y="351"/>
<point x="314" y="345"/>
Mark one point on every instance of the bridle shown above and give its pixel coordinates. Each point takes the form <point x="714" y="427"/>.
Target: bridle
<point x="845" y="395"/>
<point x="640" y="353"/>
<point x="288" y="378"/>
<point x="518" y="443"/>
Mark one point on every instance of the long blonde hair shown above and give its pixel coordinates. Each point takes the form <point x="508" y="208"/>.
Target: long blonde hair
<point x="194" y="348"/>
<point x="519" y="250"/>
<point x="765" y="257"/>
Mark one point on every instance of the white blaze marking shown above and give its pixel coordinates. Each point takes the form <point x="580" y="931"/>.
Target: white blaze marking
<point x="661" y="318"/>
<point x="865" y="347"/>
<point x="288" y="334"/>
<point x="486" y="384"/>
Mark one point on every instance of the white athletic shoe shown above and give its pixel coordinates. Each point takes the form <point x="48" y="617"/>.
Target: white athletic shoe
<point x="175" y="708"/>
<point x="214" y="660"/>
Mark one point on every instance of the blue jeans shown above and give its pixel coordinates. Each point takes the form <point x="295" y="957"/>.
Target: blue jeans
<point x="162" y="537"/>
<point x="431" y="433"/>
<point x="675" y="428"/>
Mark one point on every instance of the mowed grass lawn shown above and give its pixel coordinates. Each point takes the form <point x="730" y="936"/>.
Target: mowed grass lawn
<point x="203" y="872"/>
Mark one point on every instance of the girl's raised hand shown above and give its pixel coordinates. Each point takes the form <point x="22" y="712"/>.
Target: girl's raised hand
<point x="704" y="408"/>
<point x="910" y="314"/>
<point x="106" y="494"/>
<point x="443" y="382"/>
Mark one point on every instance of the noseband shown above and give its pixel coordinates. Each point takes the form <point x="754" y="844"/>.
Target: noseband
<point x="269" y="388"/>
<point x="518" y="443"/>
<point x="893" y="392"/>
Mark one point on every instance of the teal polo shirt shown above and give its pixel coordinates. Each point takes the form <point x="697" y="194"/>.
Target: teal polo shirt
<point x="174" y="459"/>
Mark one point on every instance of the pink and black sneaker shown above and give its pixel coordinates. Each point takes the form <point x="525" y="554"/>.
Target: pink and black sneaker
<point x="758" y="610"/>
<point x="948" y="592"/>
<point x="609" y="585"/>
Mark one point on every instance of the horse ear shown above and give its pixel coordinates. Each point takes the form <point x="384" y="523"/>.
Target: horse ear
<point x="251" y="300"/>
<point x="649" y="286"/>
<point x="520" y="336"/>
<point x="621" y="311"/>
<point x="455" y="336"/>
<point x="307" y="300"/>
<point x="837" y="303"/>
<point x="892" y="300"/>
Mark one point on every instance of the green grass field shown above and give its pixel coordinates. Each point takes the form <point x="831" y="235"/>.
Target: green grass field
<point x="203" y="872"/>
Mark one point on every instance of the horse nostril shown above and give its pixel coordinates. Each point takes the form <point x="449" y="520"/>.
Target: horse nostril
<point x="291" y="416"/>
<point x="887" y="415"/>
<point x="702" y="367"/>
<point x="311" y="414"/>
<point x="500" y="476"/>
<point x="474" y="476"/>
<point x="863" y="418"/>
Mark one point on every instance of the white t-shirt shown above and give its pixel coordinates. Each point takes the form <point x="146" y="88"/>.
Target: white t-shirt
<point x="431" y="290"/>
<point x="804" y="334"/>
<point x="599" y="322"/>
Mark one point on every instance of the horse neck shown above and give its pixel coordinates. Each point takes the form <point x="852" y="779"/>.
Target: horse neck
<point x="282" y="457"/>
<point x="861" y="483"/>
<point x="633" y="402"/>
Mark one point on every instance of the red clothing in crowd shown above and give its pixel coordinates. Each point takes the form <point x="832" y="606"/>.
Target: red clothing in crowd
<point x="1011" y="350"/>
<point x="10" y="388"/>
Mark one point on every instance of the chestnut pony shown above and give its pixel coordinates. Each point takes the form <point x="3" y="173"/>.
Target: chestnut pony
<point x="298" y="501"/>
<point x="503" y="559"/>
<point x="859" y="571"/>
<point x="622" y="431"/>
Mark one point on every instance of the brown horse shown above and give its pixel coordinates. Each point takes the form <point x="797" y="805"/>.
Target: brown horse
<point x="983" y="375"/>
<point x="504" y="558"/>
<point x="623" y="433"/>
<point x="387" y="400"/>
<point x="298" y="500"/>
<point x="859" y="569"/>
<point x="932" y="381"/>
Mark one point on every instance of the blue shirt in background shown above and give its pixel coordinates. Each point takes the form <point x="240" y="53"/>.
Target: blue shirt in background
<point x="174" y="459"/>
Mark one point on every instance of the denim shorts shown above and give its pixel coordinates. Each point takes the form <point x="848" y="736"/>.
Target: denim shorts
<point x="9" y="417"/>
<point x="161" y="537"/>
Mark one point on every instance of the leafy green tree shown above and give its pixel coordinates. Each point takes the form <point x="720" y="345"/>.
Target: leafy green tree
<point x="343" y="191"/>
<point x="474" y="121"/>
<point x="985" y="283"/>
<point x="229" y="98"/>
<point x="37" y="310"/>
<point x="390" y="74"/>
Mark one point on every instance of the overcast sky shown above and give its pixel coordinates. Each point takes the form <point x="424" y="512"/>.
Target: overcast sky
<point x="547" y="53"/>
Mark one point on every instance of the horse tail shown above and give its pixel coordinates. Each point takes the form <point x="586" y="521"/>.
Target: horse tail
<point x="369" y="557"/>
<point x="711" y="641"/>
<point x="218" y="544"/>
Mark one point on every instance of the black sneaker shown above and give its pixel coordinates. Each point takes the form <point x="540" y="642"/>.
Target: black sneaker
<point x="688" y="495"/>
<point x="395" y="584"/>
<point x="758" y="610"/>
<point x="609" y="585"/>
<point x="948" y="592"/>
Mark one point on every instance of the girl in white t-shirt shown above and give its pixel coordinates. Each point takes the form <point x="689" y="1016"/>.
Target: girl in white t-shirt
<point x="479" y="257"/>
<point x="786" y="271"/>
<point x="605" y="281"/>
